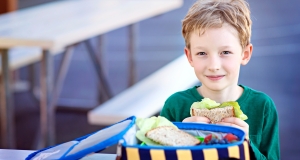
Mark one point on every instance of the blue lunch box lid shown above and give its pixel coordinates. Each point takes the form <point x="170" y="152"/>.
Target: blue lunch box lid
<point x="87" y="144"/>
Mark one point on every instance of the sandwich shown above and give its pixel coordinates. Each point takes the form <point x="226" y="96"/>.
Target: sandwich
<point x="159" y="131"/>
<point x="171" y="136"/>
<point x="216" y="111"/>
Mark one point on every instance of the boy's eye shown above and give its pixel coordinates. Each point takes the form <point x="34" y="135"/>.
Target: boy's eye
<point x="201" y="53"/>
<point x="225" y="52"/>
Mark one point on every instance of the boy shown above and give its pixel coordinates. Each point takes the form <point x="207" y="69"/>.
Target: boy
<point x="217" y="36"/>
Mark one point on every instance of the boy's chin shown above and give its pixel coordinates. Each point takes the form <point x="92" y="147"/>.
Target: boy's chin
<point x="215" y="87"/>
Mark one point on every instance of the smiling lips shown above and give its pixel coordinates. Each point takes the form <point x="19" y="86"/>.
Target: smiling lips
<point x="215" y="77"/>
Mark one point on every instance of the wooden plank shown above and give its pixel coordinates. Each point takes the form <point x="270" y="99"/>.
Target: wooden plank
<point x="146" y="97"/>
<point x="58" y="24"/>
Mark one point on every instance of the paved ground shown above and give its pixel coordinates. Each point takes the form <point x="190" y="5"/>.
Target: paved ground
<point x="273" y="70"/>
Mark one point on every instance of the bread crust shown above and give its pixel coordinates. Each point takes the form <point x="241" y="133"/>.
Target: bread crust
<point x="171" y="136"/>
<point x="215" y="115"/>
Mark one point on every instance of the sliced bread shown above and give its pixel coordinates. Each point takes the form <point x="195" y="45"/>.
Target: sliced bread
<point x="170" y="136"/>
<point x="215" y="115"/>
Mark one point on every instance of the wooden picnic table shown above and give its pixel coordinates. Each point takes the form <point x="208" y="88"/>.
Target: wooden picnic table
<point x="58" y="26"/>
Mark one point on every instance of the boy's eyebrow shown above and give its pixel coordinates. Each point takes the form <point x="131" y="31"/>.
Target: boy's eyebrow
<point x="225" y="47"/>
<point x="222" y="47"/>
<point x="199" y="47"/>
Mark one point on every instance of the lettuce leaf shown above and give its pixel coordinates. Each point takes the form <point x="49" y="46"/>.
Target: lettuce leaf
<point x="237" y="109"/>
<point x="146" y="124"/>
<point x="207" y="103"/>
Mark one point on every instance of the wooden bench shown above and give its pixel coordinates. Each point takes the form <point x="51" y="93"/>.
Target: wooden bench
<point x="20" y="57"/>
<point x="146" y="98"/>
<point x="23" y="56"/>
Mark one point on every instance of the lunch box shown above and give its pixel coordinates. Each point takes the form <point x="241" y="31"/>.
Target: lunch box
<point x="129" y="147"/>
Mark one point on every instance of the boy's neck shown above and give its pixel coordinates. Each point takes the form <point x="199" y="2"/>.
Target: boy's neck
<point x="228" y="94"/>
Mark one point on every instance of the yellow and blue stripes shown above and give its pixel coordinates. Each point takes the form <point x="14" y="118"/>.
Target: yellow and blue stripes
<point x="236" y="151"/>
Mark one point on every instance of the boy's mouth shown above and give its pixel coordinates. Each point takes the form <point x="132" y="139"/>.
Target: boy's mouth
<point x="215" y="77"/>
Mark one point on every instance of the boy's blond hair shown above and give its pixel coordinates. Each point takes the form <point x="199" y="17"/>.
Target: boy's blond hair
<point x="205" y="14"/>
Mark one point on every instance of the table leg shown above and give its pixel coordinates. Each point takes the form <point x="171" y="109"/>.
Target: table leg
<point x="32" y="80"/>
<point x="46" y="112"/>
<point x="63" y="69"/>
<point x="7" y="107"/>
<point x="49" y="98"/>
<point x="100" y="55"/>
<point x="131" y="54"/>
<point x="104" y="84"/>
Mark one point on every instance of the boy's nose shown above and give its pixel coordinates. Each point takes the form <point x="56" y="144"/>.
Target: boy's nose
<point x="214" y="64"/>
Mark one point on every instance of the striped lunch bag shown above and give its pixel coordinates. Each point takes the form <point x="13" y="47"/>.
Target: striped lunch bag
<point x="238" y="150"/>
<point x="129" y="148"/>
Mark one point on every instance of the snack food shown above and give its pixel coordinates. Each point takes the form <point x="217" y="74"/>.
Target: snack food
<point x="211" y="139"/>
<point x="216" y="111"/>
<point x="171" y="136"/>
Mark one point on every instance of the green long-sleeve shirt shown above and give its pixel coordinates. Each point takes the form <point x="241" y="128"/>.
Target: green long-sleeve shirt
<point x="260" y="109"/>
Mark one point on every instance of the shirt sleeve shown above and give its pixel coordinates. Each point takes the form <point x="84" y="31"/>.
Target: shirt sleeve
<point x="269" y="148"/>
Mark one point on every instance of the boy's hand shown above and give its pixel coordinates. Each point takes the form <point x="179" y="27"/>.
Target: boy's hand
<point x="236" y="122"/>
<point x="197" y="119"/>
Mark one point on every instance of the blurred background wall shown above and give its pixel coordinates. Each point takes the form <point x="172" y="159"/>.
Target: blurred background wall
<point x="273" y="69"/>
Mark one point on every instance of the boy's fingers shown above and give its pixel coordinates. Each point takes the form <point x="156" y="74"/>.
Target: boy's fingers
<point x="245" y="129"/>
<point x="229" y="124"/>
<point x="232" y="125"/>
<point x="201" y="119"/>
<point x="236" y="121"/>
<point x="196" y="119"/>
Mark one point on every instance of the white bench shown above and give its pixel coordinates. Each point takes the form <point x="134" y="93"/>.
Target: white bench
<point x="147" y="97"/>
<point x="23" y="56"/>
<point x="20" y="57"/>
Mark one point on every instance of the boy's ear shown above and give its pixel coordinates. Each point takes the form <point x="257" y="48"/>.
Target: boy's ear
<point x="188" y="55"/>
<point x="247" y="53"/>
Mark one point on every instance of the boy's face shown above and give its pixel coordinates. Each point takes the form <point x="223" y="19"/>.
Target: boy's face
<point x="216" y="57"/>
